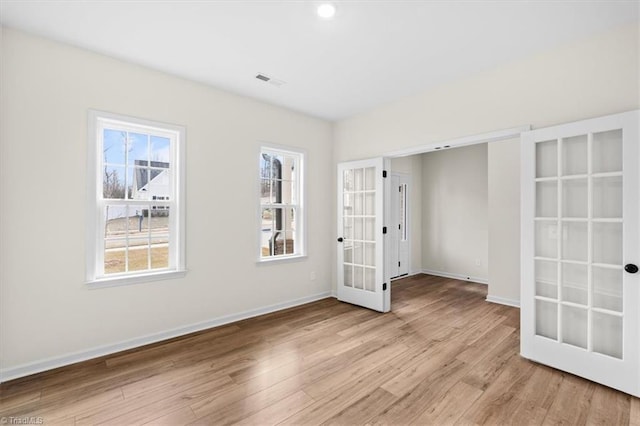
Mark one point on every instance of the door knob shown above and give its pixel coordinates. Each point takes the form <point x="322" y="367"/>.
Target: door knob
<point x="631" y="268"/>
<point x="340" y="240"/>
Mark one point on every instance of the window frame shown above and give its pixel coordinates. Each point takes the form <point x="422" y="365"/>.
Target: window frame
<point x="300" y="241"/>
<point x="95" y="276"/>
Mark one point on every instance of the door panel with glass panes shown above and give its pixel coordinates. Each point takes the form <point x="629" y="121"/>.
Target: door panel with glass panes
<point x="580" y="248"/>
<point x="361" y="271"/>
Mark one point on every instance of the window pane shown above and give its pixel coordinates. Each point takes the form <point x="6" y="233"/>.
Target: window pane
<point x="370" y="279"/>
<point x="113" y="147"/>
<point x="115" y="221"/>
<point x="286" y="191"/>
<point x="279" y="186"/>
<point x="358" y="225"/>
<point x="574" y="283"/>
<point x="160" y="252"/>
<point x="370" y="203"/>
<point x="547" y="199"/>
<point x="267" y="231"/>
<point x="607" y="288"/>
<point x="348" y="275"/>
<point x="546" y="159"/>
<point x="358" y="253"/>
<point x="607" y="197"/>
<point x="138" y="149"/>
<point x="358" y="179"/>
<point x="159" y="220"/>
<point x="546" y="274"/>
<point x="151" y="183"/>
<point x="369" y="229"/>
<point x="138" y="220"/>
<point x="370" y="254"/>
<point x="607" y="151"/>
<point x="348" y="253"/>
<point x="349" y="204"/>
<point x="288" y="167"/>
<point x="574" y="155"/>
<point x="113" y="182"/>
<point x="160" y="149"/>
<point x="114" y="256"/>
<point x="276" y="166"/>
<point x="358" y="209"/>
<point x="574" y="198"/>
<point x="138" y="185"/>
<point x="547" y="239"/>
<point x="358" y="277"/>
<point x="546" y="319"/>
<point x="279" y="247"/>
<point x="348" y="180"/>
<point x="574" y="326"/>
<point x="607" y="243"/>
<point x="574" y="241"/>
<point x="138" y="254"/>
<point x="265" y="191"/>
<point x="370" y="178"/>
<point x="607" y="334"/>
<point x="136" y="169"/>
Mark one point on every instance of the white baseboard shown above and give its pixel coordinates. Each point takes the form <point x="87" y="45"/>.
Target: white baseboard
<point x="72" y="358"/>
<point x="503" y="301"/>
<point x="456" y="276"/>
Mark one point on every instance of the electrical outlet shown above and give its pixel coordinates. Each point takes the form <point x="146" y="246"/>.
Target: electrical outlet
<point x="478" y="262"/>
<point x="312" y="276"/>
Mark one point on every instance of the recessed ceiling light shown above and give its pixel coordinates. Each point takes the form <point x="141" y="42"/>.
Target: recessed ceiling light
<point x="326" y="10"/>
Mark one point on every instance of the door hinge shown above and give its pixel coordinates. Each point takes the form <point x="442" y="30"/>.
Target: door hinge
<point x="399" y="226"/>
<point x="384" y="229"/>
<point x="384" y="287"/>
<point x="384" y="173"/>
<point x="398" y="264"/>
<point x="400" y="189"/>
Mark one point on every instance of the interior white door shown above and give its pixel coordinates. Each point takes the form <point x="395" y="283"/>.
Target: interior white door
<point x="398" y="226"/>
<point x="361" y="246"/>
<point x="394" y="225"/>
<point x="404" y="236"/>
<point x="580" y="247"/>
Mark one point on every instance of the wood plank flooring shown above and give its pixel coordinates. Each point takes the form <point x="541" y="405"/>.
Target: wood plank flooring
<point x="442" y="356"/>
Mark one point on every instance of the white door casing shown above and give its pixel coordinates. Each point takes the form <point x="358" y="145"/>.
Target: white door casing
<point x="580" y="228"/>
<point x="362" y="275"/>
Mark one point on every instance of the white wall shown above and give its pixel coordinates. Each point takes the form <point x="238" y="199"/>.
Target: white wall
<point x="454" y="212"/>
<point x="46" y="311"/>
<point x="412" y="166"/>
<point x="504" y="221"/>
<point x="589" y="78"/>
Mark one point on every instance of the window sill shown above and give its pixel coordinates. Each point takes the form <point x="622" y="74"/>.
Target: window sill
<point x="135" y="279"/>
<point x="282" y="259"/>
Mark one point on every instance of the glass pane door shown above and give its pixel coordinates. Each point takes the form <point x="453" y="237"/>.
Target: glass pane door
<point x="360" y="240"/>
<point x="580" y="244"/>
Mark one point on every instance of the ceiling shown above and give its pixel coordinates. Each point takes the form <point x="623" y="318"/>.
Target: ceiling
<point x="370" y="53"/>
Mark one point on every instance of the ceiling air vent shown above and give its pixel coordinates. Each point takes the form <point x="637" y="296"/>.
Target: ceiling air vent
<point x="270" y="80"/>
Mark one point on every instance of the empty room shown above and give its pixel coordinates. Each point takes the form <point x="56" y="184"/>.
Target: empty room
<point x="305" y="212"/>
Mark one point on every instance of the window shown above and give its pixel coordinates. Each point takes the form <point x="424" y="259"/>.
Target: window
<point x="137" y="183"/>
<point x="281" y="204"/>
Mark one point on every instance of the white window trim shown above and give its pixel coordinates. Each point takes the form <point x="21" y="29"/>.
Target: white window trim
<point x="95" y="232"/>
<point x="301" y="232"/>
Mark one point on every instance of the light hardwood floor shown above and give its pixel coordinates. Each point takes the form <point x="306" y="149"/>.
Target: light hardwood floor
<point x="442" y="356"/>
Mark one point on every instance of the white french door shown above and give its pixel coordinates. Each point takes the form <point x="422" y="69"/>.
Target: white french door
<point x="361" y="247"/>
<point x="580" y="247"/>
